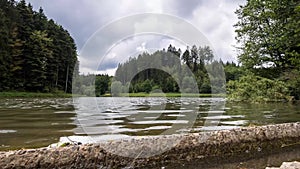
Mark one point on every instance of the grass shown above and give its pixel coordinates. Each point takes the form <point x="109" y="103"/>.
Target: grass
<point x="33" y="94"/>
<point x="142" y="94"/>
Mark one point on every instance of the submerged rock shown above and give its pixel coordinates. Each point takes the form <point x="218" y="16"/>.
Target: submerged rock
<point x="158" y="151"/>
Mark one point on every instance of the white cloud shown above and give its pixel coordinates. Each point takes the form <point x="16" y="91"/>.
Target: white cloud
<point x="216" y="19"/>
<point x="213" y="18"/>
<point x="142" y="48"/>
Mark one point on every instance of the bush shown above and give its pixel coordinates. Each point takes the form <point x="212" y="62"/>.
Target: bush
<point x="116" y="88"/>
<point x="292" y="79"/>
<point x="147" y="86"/>
<point x="257" y="89"/>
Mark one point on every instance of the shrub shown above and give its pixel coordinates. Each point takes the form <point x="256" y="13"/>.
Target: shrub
<point x="257" y="89"/>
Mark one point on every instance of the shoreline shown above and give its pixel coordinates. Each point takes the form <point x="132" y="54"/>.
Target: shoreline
<point x="217" y="145"/>
<point x="7" y="95"/>
<point x="61" y="94"/>
<point x="15" y="94"/>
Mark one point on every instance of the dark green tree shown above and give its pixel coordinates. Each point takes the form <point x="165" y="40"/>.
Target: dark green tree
<point x="186" y="57"/>
<point x="101" y="84"/>
<point x="37" y="65"/>
<point x="35" y="54"/>
<point x="268" y="34"/>
<point x="195" y="57"/>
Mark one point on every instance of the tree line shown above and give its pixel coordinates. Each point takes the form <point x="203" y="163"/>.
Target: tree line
<point x="151" y="79"/>
<point x="92" y="85"/>
<point x="36" y="54"/>
<point x="172" y="71"/>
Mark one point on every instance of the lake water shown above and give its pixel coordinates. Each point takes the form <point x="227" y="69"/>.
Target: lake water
<point x="30" y="123"/>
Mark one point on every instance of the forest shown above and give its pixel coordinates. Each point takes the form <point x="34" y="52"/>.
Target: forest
<point x="172" y="71"/>
<point x="167" y="70"/>
<point x="36" y="54"/>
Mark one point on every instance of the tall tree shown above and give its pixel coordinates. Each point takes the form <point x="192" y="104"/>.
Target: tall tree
<point x="35" y="54"/>
<point x="186" y="57"/>
<point x="268" y="34"/>
<point x="206" y="54"/>
<point x="194" y="57"/>
<point x="38" y="64"/>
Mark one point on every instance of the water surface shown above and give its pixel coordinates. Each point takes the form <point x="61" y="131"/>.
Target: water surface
<point x="29" y="123"/>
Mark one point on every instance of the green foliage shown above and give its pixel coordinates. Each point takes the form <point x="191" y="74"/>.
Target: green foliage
<point x="233" y="71"/>
<point x="147" y="86"/>
<point x="167" y="70"/>
<point x="292" y="79"/>
<point x="91" y="85"/>
<point x="101" y="84"/>
<point x="257" y="89"/>
<point x="268" y="34"/>
<point x="187" y="84"/>
<point x="36" y="54"/>
<point x="116" y="88"/>
<point x="37" y="64"/>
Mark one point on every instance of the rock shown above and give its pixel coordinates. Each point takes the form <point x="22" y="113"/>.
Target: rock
<point x="287" y="165"/>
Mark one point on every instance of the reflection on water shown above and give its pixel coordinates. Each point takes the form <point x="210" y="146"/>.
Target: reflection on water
<point x="40" y="122"/>
<point x="154" y="116"/>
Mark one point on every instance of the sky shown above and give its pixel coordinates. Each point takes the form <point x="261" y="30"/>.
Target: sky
<point x="109" y="32"/>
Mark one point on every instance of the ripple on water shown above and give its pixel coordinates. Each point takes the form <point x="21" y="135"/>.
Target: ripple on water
<point x="212" y="112"/>
<point x="158" y="127"/>
<point x="165" y="111"/>
<point x="161" y="122"/>
<point x="236" y="122"/>
<point x="7" y="131"/>
<point x="64" y="112"/>
<point x="213" y="128"/>
<point x="217" y="117"/>
<point x="175" y="115"/>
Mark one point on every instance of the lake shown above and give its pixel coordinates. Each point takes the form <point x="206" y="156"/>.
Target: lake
<point x="31" y="123"/>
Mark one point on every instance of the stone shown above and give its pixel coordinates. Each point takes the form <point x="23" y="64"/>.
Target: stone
<point x="287" y="165"/>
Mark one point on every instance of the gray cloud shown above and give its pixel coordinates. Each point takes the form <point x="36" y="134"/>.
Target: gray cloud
<point x="180" y="8"/>
<point x="83" y="18"/>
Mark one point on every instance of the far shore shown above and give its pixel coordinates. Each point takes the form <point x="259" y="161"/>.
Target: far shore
<point x="142" y="94"/>
<point x="15" y="94"/>
<point x="61" y="94"/>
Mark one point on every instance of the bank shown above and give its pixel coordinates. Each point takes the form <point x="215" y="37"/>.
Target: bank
<point x="161" y="151"/>
<point x="143" y="94"/>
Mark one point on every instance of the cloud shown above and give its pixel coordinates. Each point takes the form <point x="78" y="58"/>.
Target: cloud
<point x="214" y="19"/>
<point x="181" y="8"/>
<point x="142" y="48"/>
<point x="122" y="50"/>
